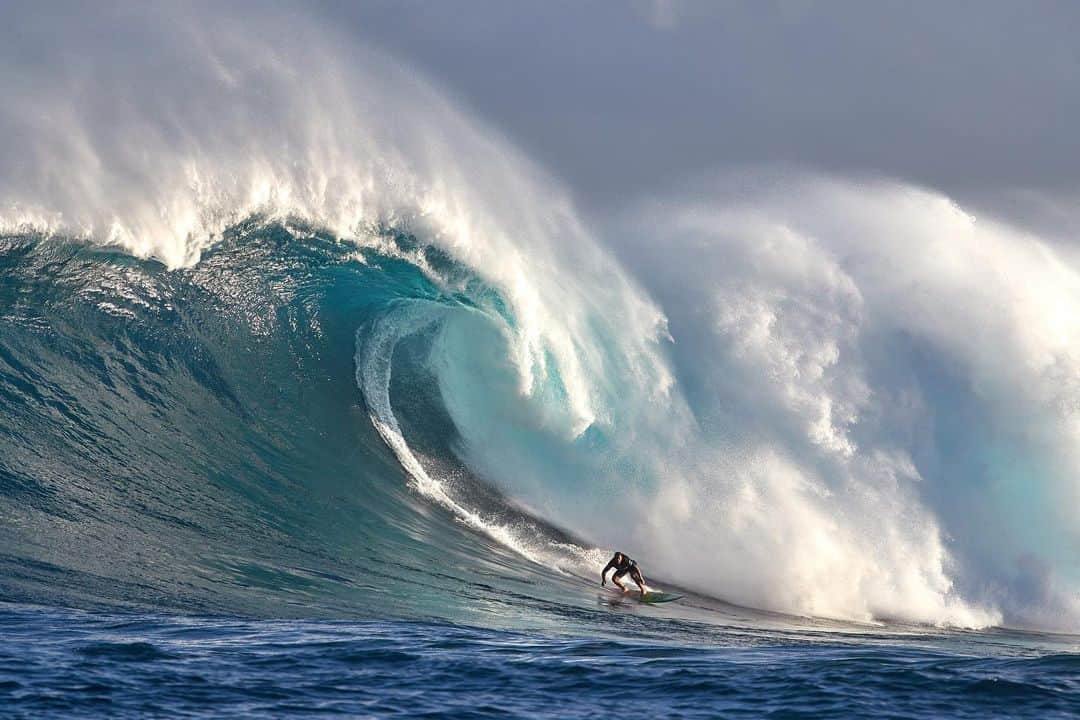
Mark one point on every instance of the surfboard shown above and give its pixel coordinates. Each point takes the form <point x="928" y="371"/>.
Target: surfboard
<point x="652" y="597"/>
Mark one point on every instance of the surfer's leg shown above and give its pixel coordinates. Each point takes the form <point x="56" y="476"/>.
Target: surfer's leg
<point x="615" y="579"/>
<point x="635" y="575"/>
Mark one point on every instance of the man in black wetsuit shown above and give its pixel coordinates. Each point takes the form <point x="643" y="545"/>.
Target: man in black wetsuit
<point x="623" y="564"/>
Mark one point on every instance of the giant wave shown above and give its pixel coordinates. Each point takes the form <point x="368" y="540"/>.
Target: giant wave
<point x="286" y="332"/>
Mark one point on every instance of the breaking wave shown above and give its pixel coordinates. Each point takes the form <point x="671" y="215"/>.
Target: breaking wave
<point x="284" y="331"/>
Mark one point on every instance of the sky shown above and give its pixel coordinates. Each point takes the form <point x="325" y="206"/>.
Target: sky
<point x="620" y="100"/>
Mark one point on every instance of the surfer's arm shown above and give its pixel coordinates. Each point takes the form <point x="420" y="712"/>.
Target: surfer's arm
<point x="603" y="573"/>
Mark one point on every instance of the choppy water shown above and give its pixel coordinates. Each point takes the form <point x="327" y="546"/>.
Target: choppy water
<point x="137" y="665"/>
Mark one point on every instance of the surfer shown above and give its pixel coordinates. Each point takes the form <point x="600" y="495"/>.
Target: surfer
<point x="622" y="564"/>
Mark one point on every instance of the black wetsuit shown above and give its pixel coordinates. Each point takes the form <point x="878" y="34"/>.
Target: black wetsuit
<point x="624" y="567"/>
<point x="623" y="564"/>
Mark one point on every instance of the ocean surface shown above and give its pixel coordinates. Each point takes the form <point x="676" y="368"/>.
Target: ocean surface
<point x="77" y="664"/>
<point x="318" y="397"/>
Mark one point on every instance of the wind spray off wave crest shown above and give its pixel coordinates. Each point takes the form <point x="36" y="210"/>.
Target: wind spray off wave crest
<point x="283" y="121"/>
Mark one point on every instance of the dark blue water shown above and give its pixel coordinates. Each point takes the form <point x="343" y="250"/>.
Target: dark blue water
<point x="72" y="664"/>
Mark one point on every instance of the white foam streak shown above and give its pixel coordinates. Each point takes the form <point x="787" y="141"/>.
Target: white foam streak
<point x="374" y="359"/>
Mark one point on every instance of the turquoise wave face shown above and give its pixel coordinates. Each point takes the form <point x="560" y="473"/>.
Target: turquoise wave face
<point x="215" y="440"/>
<point x="301" y="426"/>
<point x="195" y="440"/>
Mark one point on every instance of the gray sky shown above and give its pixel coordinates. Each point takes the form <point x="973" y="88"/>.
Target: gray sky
<point x="977" y="99"/>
